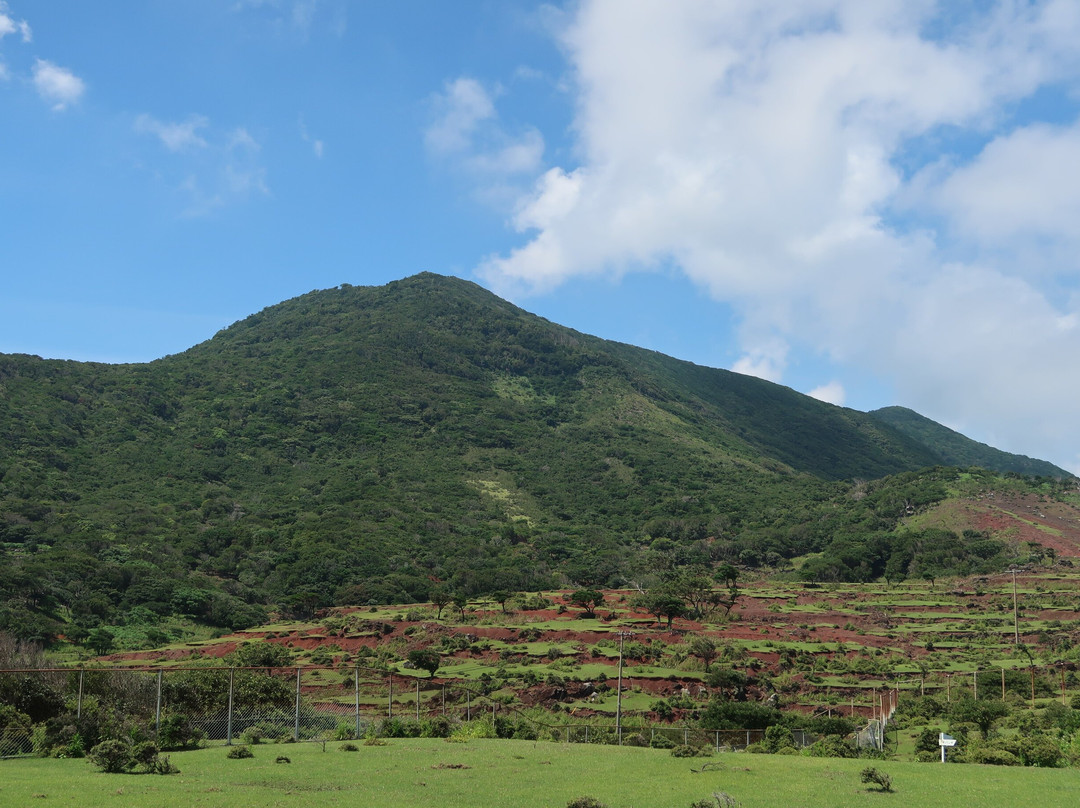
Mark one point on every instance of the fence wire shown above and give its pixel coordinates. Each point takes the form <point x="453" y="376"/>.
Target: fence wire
<point x="58" y="711"/>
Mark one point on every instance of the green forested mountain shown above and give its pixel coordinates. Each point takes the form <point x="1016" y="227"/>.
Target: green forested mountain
<point x="361" y="445"/>
<point x="953" y="449"/>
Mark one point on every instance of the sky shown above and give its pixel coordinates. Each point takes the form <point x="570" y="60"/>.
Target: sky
<point x="871" y="203"/>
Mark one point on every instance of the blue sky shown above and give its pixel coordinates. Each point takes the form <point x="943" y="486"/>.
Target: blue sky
<point x="874" y="203"/>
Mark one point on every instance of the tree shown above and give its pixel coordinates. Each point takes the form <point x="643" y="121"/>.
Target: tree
<point x="501" y="596"/>
<point x="425" y="659"/>
<point x="982" y="713"/>
<point x="587" y="599"/>
<point x="704" y="649"/>
<point x="460" y="601"/>
<point x="100" y="641"/>
<point x="261" y="655"/>
<point x="728" y="574"/>
<point x="440" y="597"/>
<point x="660" y="604"/>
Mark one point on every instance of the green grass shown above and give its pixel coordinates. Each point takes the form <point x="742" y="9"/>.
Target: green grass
<point x="511" y="774"/>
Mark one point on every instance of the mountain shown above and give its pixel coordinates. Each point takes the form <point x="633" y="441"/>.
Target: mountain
<point x="370" y="444"/>
<point x="953" y="449"/>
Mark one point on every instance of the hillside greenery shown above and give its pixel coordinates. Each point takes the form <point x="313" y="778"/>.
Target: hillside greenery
<point x="371" y="445"/>
<point x="953" y="449"/>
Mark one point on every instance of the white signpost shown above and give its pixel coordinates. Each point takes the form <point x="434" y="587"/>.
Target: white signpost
<point x="945" y="741"/>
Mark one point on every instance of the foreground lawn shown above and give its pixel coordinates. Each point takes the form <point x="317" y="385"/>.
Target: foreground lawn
<point x="509" y="774"/>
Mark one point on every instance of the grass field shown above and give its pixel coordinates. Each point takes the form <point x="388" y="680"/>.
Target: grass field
<point x="512" y="774"/>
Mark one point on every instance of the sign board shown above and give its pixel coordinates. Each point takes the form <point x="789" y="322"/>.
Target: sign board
<point x="946" y="740"/>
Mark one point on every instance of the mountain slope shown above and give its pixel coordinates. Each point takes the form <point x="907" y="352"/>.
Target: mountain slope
<point x="953" y="449"/>
<point x="361" y="445"/>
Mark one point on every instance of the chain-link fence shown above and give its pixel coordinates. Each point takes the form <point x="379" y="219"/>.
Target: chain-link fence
<point x="67" y="711"/>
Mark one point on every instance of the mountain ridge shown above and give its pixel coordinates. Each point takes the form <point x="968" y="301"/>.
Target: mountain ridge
<point x="366" y="444"/>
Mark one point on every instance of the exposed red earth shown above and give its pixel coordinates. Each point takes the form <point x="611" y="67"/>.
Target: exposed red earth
<point x="780" y="622"/>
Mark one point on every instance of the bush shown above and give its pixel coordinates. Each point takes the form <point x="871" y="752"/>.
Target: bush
<point x="687" y="751"/>
<point x="778" y="737"/>
<point x="344" y="731"/>
<point x="178" y="733"/>
<point x="585" y="802"/>
<point x="114" y="756"/>
<point x="832" y="746"/>
<point x="438" y="727"/>
<point x="661" y="742"/>
<point x="720" y="799"/>
<point x="239" y="753"/>
<point x="927" y="740"/>
<point x="399" y="728"/>
<point x="111" y="756"/>
<point x="349" y="747"/>
<point x="878" y="778"/>
<point x="990" y="756"/>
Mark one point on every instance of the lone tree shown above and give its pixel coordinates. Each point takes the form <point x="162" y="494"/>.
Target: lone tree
<point x="704" y="649"/>
<point x="440" y="597"/>
<point x="587" y="599"/>
<point x="425" y="659"/>
<point x="460" y="601"/>
<point x="983" y="713"/>
<point x="660" y="604"/>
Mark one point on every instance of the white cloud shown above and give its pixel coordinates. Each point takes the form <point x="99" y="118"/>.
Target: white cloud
<point x="57" y="85"/>
<point x="8" y="24"/>
<point x="766" y="150"/>
<point x="212" y="167"/>
<point x="460" y="108"/>
<point x="176" y="137"/>
<point x="240" y="138"/>
<point x="1024" y="184"/>
<point x="831" y="393"/>
<point x="467" y="130"/>
<point x="317" y="145"/>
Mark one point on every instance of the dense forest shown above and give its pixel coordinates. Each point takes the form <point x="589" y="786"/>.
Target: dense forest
<point x="377" y="444"/>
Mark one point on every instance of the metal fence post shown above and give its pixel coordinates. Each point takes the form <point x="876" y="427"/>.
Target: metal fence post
<point x="390" y="699"/>
<point x="417" y="699"/>
<point x="157" y="711"/>
<point x="356" y="696"/>
<point x="228" y="731"/>
<point x="78" y="709"/>
<point x="296" y="725"/>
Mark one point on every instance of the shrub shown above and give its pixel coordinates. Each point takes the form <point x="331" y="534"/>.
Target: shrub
<point x="239" y="753"/>
<point x="399" y="728"/>
<point x="687" y="751"/>
<point x="438" y="727"/>
<point x="833" y="746"/>
<point x="878" y="778"/>
<point x="720" y="799"/>
<point x="111" y="756"/>
<point x="115" y="756"/>
<point x="178" y="733"/>
<point x="585" y="802"/>
<point x="778" y="737"/>
<point x="661" y="742"/>
<point x="349" y="747"/>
